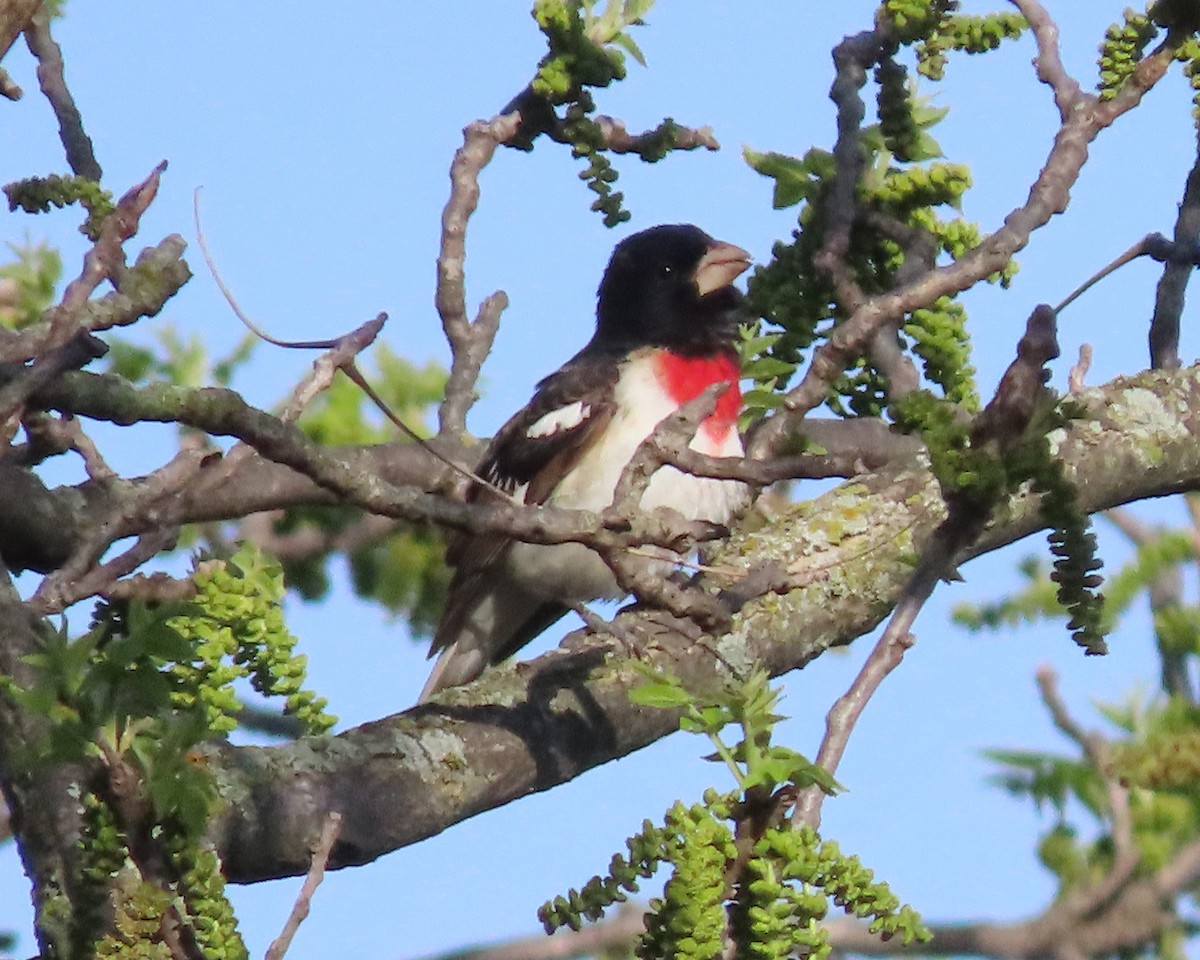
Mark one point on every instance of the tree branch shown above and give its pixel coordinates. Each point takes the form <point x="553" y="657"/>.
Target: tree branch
<point x="1049" y="195"/>
<point x="50" y="72"/>
<point x="524" y="728"/>
<point x="470" y="342"/>
<point x="1169" y="297"/>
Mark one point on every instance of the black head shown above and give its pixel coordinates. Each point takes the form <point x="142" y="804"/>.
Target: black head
<point x="670" y="286"/>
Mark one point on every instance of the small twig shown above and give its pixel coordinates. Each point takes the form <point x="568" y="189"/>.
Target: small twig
<point x="9" y="88"/>
<point x="601" y="627"/>
<point x="852" y="57"/>
<point x="316" y="873"/>
<point x="1139" y="249"/>
<point x="342" y="351"/>
<point x="470" y="342"/>
<point x="617" y="138"/>
<point x="82" y="577"/>
<point x="1169" y="297"/>
<point x="50" y="435"/>
<point x="67" y="343"/>
<point x="352" y="371"/>
<point x="679" y="428"/>
<point x="1049" y="65"/>
<point x="308" y="541"/>
<point x="78" y="145"/>
<point x="327" y="344"/>
<point x="153" y="588"/>
<point x="1077" y="377"/>
<point x="844" y="714"/>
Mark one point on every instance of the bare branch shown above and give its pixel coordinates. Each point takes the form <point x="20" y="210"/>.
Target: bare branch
<point x="1049" y="65"/>
<point x="470" y="342"/>
<point x="844" y="714"/>
<point x="316" y="873"/>
<point x="9" y="88"/>
<point x="1169" y="297"/>
<point x="852" y="57"/>
<point x="67" y="337"/>
<point x="160" y="272"/>
<point x="1049" y="195"/>
<point x="619" y="140"/>
<point x="1077" y="376"/>
<point x="14" y="18"/>
<point x="542" y="722"/>
<point x="154" y="509"/>
<point x="76" y="142"/>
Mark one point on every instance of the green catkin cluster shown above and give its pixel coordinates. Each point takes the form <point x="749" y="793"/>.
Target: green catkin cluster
<point x="939" y="338"/>
<point x="688" y="922"/>
<point x="954" y="465"/>
<point x="760" y="897"/>
<point x="587" y="143"/>
<point x="967" y="34"/>
<point x="645" y="853"/>
<point x="236" y="629"/>
<point x="801" y="856"/>
<point x="982" y="478"/>
<point x="786" y="887"/>
<point x="1122" y="49"/>
<point x="1189" y="55"/>
<point x="39" y="194"/>
<point x="913" y="20"/>
<point x="901" y="132"/>
<point x="939" y="184"/>
<point x="793" y="295"/>
<point x="574" y="62"/>
<point x="1073" y="544"/>
<point x="775" y="923"/>
<point x="102" y="856"/>
<point x="209" y="913"/>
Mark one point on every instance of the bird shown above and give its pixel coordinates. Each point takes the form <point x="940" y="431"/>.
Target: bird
<point x="667" y="320"/>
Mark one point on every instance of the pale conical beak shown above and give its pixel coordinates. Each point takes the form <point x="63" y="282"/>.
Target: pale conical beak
<point x="720" y="266"/>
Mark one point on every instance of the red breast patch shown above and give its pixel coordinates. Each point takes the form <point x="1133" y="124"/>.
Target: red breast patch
<point x="685" y="378"/>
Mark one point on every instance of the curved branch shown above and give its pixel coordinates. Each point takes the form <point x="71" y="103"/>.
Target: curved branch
<point x="50" y="72"/>
<point x="469" y="341"/>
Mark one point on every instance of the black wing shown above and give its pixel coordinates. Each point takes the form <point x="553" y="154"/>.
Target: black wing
<point x="515" y="459"/>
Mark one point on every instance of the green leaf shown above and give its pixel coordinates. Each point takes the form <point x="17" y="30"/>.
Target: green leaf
<point x="627" y="43"/>
<point x="795" y="179"/>
<point x="662" y="694"/>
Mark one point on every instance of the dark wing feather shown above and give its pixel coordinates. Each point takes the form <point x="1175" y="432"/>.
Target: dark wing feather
<point x="514" y="459"/>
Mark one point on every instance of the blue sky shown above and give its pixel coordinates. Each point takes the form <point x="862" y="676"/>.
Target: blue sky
<point x="323" y="143"/>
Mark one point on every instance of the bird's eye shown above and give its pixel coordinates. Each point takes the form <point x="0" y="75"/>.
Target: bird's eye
<point x="666" y="269"/>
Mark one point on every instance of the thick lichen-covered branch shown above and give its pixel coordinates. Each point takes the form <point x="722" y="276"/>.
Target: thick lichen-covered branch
<point x="837" y="565"/>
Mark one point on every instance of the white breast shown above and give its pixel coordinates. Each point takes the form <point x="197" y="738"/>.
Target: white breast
<point x="571" y="572"/>
<point x="641" y="405"/>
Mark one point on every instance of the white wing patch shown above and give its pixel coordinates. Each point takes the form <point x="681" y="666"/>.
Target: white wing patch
<point x="564" y="418"/>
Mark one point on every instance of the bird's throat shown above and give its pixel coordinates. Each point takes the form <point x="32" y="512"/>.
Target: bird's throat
<point x="685" y="378"/>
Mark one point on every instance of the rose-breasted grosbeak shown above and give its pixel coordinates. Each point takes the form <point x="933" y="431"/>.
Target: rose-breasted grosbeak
<point x="666" y="321"/>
